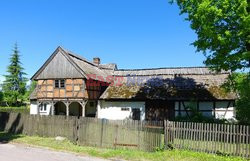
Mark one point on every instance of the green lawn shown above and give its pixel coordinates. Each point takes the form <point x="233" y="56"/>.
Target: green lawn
<point x="228" y="148"/>
<point x="66" y="145"/>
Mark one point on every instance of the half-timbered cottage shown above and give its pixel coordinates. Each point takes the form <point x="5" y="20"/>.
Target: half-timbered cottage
<point x="68" y="84"/>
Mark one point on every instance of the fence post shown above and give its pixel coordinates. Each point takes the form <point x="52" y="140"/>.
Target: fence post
<point x="116" y="134"/>
<point x="76" y="129"/>
<point x="101" y="140"/>
<point x="238" y="139"/>
<point x="166" y="133"/>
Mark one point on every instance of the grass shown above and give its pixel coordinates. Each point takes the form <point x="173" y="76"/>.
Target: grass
<point x="132" y="155"/>
<point x="21" y="109"/>
<point x="212" y="145"/>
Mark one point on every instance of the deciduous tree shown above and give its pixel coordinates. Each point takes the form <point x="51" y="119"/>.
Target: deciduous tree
<point x="223" y="30"/>
<point x="223" y="35"/>
<point x="240" y="84"/>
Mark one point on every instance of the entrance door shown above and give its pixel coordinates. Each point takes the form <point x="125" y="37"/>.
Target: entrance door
<point x="91" y="109"/>
<point x="136" y="114"/>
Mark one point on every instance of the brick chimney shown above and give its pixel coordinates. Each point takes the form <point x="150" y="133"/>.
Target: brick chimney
<point x="96" y="60"/>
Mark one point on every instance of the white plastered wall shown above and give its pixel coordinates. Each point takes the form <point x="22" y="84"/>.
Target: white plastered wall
<point x="119" y="110"/>
<point x="223" y="111"/>
<point x="33" y="108"/>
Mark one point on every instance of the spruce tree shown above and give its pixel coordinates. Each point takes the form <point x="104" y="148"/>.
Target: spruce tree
<point x="14" y="86"/>
<point x="1" y="96"/>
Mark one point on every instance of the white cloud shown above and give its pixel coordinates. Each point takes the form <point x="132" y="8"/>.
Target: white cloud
<point x="28" y="83"/>
<point x="1" y="79"/>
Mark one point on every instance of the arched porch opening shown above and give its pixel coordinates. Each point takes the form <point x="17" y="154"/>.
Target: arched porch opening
<point x="75" y="109"/>
<point x="60" y="108"/>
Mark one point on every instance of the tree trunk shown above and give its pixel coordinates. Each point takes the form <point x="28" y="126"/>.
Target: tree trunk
<point x="248" y="50"/>
<point x="248" y="44"/>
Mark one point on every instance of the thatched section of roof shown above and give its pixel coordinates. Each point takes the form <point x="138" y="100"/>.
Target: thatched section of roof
<point x="201" y="87"/>
<point x="167" y="71"/>
<point x="89" y="69"/>
<point x="110" y="66"/>
<point x="142" y="93"/>
<point x="33" y="95"/>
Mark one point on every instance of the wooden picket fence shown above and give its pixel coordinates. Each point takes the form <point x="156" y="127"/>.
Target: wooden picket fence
<point x="45" y="126"/>
<point x="128" y="134"/>
<point x="223" y="139"/>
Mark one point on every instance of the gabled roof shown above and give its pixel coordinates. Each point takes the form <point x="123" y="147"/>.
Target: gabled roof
<point x="80" y="64"/>
<point x="175" y="83"/>
<point x="59" y="52"/>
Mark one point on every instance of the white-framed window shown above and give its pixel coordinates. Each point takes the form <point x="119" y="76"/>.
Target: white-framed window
<point x="43" y="107"/>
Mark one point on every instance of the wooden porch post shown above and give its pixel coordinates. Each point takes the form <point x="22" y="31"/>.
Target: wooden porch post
<point x="83" y="104"/>
<point x="38" y="108"/>
<point x="67" y="108"/>
<point x="52" y="108"/>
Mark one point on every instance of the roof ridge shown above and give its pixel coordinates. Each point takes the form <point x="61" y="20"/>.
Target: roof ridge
<point x="78" y="56"/>
<point x="87" y="61"/>
<point x="162" y="68"/>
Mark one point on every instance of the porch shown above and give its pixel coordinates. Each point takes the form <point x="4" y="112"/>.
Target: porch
<point x="80" y="108"/>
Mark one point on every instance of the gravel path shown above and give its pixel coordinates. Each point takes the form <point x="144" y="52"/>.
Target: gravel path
<point x="18" y="152"/>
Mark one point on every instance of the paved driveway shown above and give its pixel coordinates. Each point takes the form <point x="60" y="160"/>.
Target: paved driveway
<point x="16" y="152"/>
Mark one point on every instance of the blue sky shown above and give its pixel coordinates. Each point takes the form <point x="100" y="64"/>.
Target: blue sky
<point x="131" y="33"/>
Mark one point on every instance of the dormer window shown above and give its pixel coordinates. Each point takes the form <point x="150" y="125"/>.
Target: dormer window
<point x="59" y="83"/>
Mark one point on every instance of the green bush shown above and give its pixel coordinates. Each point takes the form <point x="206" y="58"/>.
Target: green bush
<point x="1" y="96"/>
<point x="196" y="116"/>
<point x="240" y="84"/>
<point x="22" y="109"/>
<point x="201" y="119"/>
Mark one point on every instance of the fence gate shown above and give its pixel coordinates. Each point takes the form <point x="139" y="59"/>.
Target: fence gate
<point x="119" y="134"/>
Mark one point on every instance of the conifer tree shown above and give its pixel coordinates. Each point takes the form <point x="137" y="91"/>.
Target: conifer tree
<point x="14" y="86"/>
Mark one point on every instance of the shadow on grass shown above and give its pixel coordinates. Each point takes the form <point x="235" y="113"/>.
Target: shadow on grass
<point x="6" y="137"/>
<point x="10" y="126"/>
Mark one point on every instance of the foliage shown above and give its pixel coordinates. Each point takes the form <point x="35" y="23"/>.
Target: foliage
<point x="14" y="86"/>
<point x="201" y="119"/>
<point x="117" y="154"/>
<point x="30" y="89"/>
<point x="160" y="149"/>
<point x="240" y="83"/>
<point x="1" y="96"/>
<point x="223" y="29"/>
<point x="21" y="109"/>
<point x="194" y="115"/>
